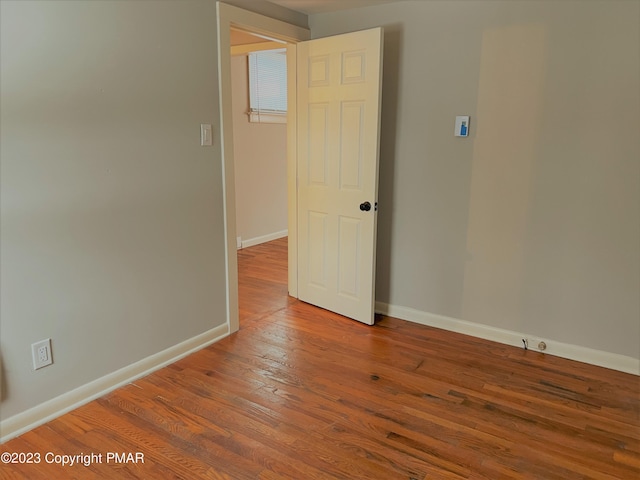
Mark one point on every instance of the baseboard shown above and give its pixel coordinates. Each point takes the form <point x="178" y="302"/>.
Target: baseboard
<point x="565" y="350"/>
<point x="264" y="238"/>
<point x="47" y="411"/>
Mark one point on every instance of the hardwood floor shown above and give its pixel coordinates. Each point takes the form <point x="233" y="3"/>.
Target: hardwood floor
<point x="301" y="393"/>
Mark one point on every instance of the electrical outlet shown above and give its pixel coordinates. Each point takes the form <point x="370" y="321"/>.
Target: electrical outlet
<point x="41" y="354"/>
<point x="534" y="344"/>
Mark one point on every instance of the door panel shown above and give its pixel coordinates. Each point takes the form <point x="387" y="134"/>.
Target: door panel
<point x="351" y="145"/>
<point x="339" y="93"/>
<point x="348" y="249"/>
<point x="318" y="135"/>
<point x="317" y="250"/>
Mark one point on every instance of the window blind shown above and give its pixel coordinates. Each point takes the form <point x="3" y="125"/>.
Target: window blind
<point x="268" y="82"/>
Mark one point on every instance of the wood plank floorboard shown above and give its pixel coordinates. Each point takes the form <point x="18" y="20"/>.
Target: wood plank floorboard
<point x="302" y="393"/>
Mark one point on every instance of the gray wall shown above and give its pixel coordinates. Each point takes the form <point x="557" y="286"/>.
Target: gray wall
<point x="532" y="223"/>
<point x="111" y="227"/>
<point x="112" y="234"/>
<point x="260" y="157"/>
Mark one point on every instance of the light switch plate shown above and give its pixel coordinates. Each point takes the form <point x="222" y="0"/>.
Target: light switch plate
<point x="206" y="137"/>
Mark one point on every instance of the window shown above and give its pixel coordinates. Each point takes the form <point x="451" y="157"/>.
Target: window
<point x="268" y="86"/>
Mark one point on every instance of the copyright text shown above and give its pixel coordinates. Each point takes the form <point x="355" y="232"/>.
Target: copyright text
<point x="84" y="459"/>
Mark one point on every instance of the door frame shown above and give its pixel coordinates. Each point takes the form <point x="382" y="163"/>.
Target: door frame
<point x="229" y="16"/>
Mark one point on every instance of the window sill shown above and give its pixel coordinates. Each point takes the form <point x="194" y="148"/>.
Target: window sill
<point x="255" y="117"/>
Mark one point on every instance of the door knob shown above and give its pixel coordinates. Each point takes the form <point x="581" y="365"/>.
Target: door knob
<point x="365" y="207"/>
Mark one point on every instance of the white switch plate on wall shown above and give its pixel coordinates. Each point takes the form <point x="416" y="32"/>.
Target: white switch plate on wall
<point x="206" y="137"/>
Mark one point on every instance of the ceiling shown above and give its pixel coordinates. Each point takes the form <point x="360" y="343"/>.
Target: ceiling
<point x="310" y="7"/>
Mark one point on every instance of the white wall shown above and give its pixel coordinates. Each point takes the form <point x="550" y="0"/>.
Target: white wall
<point x="530" y="224"/>
<point x="260" y="156"/>
<point x="112" y="232"/>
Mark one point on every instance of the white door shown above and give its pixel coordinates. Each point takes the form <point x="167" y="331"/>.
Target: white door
<point x="338" y="115"/>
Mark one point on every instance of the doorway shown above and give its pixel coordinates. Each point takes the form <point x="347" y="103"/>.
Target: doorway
<point x="230" y="17"/>
<point x="259" y="88"/>
<point x="333" y="133"/>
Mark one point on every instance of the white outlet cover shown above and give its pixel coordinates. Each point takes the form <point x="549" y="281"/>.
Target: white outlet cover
<point x="41" y="354"/>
